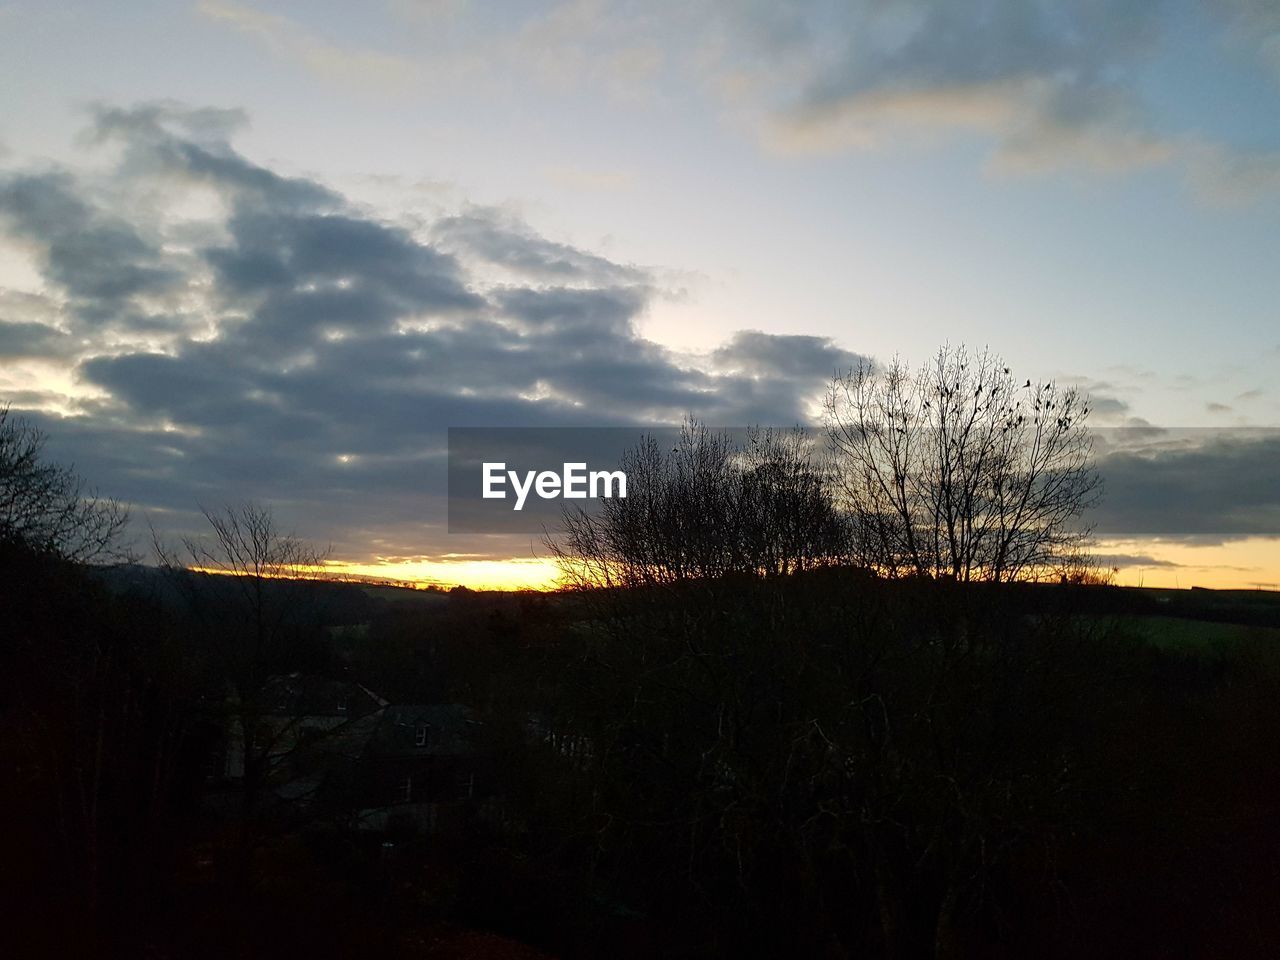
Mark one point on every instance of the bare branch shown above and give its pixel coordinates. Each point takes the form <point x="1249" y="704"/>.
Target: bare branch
<point x="957" y="471"/>
<point x="47" y="507"/>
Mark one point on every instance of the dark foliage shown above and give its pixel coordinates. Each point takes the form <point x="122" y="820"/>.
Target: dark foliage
<point x="733" y="744"/>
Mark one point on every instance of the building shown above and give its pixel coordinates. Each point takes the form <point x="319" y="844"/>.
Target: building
<point x="339" y="752"/>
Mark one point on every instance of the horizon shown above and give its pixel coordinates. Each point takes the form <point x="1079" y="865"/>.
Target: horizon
<point x="342" y="574"/>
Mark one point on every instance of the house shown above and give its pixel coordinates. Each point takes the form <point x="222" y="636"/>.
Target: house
<point x="340" y="752"/>
<point x="295" y="710"/>
<point x="417" y="770"/>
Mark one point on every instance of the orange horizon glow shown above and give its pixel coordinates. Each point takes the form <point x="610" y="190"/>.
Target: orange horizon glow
<point x="1252" y="563"/>
<point x="514" y="573"/>
<point x="1249" y="564"/>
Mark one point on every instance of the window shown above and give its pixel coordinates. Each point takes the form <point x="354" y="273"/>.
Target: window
<point x="423" y="735"/>
<point x="406" y="790"/>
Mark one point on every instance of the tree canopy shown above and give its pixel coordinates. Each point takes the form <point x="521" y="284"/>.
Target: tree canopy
<point x="47" y="507"/>
<point x="955" y="469"/>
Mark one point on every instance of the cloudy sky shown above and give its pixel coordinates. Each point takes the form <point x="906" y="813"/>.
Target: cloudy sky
<point x="272" y="250"/>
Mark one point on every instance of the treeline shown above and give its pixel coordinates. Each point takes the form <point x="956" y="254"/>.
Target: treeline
<point x="950" y="471"/>
<point x="824" y="764"/>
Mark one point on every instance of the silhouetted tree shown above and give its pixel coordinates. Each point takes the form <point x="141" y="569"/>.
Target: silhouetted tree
<point x="94" y="691"/>
<point x="709" y="507"/>
<point x="957" y="470"/>
<point x="821" y="738"/>
<point x="47" y="507"/>
<point x="243" y="582"/>
<point x="691" y="716"/>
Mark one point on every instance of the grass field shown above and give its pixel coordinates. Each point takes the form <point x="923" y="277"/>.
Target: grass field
<point x="1181" y="633"/>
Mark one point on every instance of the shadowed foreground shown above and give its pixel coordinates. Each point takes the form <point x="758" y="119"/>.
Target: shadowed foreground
<point x="821" y="764"/>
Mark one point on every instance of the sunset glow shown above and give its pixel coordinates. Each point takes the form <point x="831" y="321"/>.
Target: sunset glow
<point x="512" y="574"/>
<point x="1252" y="563"/>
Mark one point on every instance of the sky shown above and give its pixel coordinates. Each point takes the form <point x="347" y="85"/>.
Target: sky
<point x="271" y="251"/>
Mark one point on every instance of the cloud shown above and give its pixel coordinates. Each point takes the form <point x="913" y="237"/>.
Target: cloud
<point x="1123" y="560"/>
<point x="1253" y="25"/>
<point x="1045" y="86"/>
<point x="295" y="348"/>
<point x="1049" y="85"/>
<point x="29" y="326"/>
<point x="1212" y="485"/>
<point x="101" y="261"/>
<point x="1107" y="407"/>
<point x="756" y="354"/>
<point x="1226" y="176"/>
<point x="191" y="146"/>
<point x="288" y="39"/>
<point x="1104" y="406"/>
<point x="501" y="240"/>
<point x="22" y="340"/>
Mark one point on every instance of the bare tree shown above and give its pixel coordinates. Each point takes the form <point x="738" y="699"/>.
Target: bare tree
<point x="242" y="582"/>
<point x="791" y="521"/>
<point x="709" y="507"/>
<point x="46" y="506"/>
<point x="247" y="543"/>
<point x="956" y="470"/>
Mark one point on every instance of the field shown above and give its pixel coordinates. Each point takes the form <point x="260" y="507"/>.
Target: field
<point x="1184" y="634"/>
<point x="1194" y="621"/>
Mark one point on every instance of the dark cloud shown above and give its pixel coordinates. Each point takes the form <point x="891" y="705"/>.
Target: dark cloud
<point x="100" y="261"/>
<point x="502" y="241"/>
<point x="25" y="339"/>
<point x="303" y="351"/>
<point x="561" y="311"/>
<point x="1209" y="485"/>
<point x="770" y="355"/>
<point x="1106" y="406"/>
<point x="286" y="251"/>
<point x="1123" y="560"/>
<point x="193" y="145"/>
<point x="310" y="353"/>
